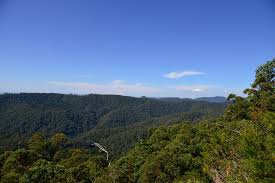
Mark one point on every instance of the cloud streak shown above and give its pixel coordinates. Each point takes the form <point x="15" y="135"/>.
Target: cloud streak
<point x="193" y="88"/>
<point x="118" y="87"/>
<point x="121" y="87"/>
<point x="181" y="74"/>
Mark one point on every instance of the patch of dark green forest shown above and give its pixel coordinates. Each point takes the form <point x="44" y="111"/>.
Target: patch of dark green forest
<point x="107" y="119"/>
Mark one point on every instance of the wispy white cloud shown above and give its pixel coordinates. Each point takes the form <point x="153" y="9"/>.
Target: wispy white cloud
<point x="180" y="74"/>
<point x="193" y="88"/>
<point x="119" y="87"/>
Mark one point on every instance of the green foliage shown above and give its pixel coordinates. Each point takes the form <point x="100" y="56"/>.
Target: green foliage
<point x="44" y="171"/>
<point x="49" y="160"/>
<point x="260" y="97"/>
<point x="37" y="143"/>
<point x="235" y="151"/>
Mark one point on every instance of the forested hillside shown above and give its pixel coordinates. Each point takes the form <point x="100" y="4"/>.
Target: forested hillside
<point x="103" y="118"/>
<point x="236" y="147"/>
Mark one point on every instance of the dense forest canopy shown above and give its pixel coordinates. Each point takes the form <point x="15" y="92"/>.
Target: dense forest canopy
<point x="236" y="147"/>
<point x="102" y="118"/>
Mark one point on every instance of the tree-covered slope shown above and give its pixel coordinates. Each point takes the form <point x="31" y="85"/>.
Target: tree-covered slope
<point x="26" y="113"/>
<point x="51" y="160"/>
<point x="120" y="139"/>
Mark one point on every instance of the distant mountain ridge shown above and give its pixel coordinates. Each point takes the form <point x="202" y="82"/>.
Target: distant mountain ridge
<point x="217" y="99"/>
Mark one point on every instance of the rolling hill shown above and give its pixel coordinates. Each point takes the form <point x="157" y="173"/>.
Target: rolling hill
<point x="99" y="117"/>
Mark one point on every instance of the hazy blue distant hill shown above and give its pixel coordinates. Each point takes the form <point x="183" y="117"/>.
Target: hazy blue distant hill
<point x="173" y="99"/>
<point x="218" y="99"/>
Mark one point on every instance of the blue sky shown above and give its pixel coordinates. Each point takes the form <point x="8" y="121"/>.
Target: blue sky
<point x="160" y="48"/>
